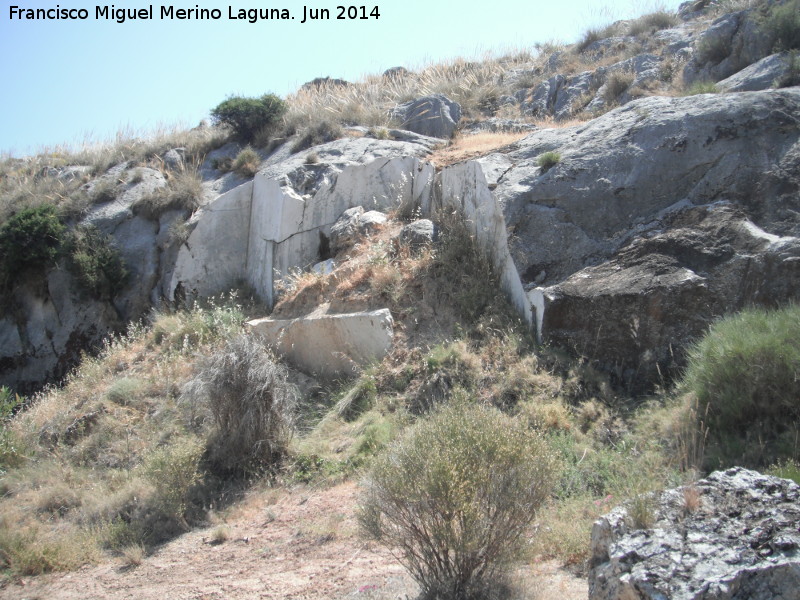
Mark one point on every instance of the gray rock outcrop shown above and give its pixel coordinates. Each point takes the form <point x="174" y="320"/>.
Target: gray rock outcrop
<point x="435" y="116"/>
<point x="282" y="219"/>
<point x="761" y="75"/>
<point x="732" y="535"/>
<point x="579" y="231"/>
<point x="731" y="43"/>
<point x="353" y="224"/>
<point x="416" y="234"/>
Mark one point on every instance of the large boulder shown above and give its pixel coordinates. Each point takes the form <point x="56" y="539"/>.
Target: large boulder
<point x="329" y="345"/>
<point x="352" y="225"/>
<point x="761" y="75"/>
<point x="435" y="115"/>
<point x="635" y="313"/>
<point x="730" y="536"/>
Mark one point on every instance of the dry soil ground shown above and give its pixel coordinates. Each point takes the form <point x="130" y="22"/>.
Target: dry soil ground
<point x="282" y="544"/>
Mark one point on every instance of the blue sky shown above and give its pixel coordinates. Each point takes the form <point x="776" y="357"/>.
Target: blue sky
<point x="66" y="81"/>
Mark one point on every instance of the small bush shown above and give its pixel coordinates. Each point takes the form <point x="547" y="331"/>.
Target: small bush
<point x="184" y="191"/>
<point x="653" y="22"/>
<point x="783" y="24"/>
<point x="617" y="83"/>
<point x="745" y="374"/>
<point x="595" y="35"/>
<point x="95" y="262"/>
<point x="548" y="160"/>
<point x="712" y="50"/>
<point x="247" y="117"/>
<point x="455" y="498"/>
<point x="30" y="240"/>
<point x="251" y="403"/>
<point x="173" y="471"/>
<point x="246" y="162"/>
<point x="320" y="133"/>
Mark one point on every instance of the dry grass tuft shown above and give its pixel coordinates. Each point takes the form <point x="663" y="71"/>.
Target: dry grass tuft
<point x="468" y="147"/>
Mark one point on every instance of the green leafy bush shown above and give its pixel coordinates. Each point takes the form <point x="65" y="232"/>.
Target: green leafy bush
<point x="548" y="160"/>
<point x="251" y="403"/>
<point x="455" y="497"/>
<point x="95" y="262"/>
<point x="745" y="374"/>
<point x="247" y="117"/>
<point x="30" y="240"/>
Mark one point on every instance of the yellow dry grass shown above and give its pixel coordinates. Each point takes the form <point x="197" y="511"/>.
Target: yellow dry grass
<point x="468" y="147"/>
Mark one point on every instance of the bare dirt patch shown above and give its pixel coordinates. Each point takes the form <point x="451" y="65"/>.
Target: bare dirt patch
<point x="299" y="543"/>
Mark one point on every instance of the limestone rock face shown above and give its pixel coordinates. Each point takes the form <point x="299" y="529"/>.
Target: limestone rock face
<point x="635" y="313"/>
<point x="59" y="325"/>
<point x="434" y="116"/>
<point x="733" y="535"/>
<point x="282" y="219"/>
<point x="329" y="345"/>
<point x="729" y="44"/>
<point x="761" y="75"/>
<point x="620" y="262"/>
<point x="617" y="175"/>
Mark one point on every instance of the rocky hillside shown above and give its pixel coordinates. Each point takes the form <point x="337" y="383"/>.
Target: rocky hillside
<point x="541" y="236"/>
<point x="628" y="218"/>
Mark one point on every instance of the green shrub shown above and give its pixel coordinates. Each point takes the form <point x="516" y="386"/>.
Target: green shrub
<point x="251" y="403"/>
<point x="173" y="471"/>
<point x="247" y="117"/>
<point x="246" y="162"/>
<point x="745" y="374"/>
<point x="548" y="160"/>
<point x="124" y="391"/>
<point x="783" y="25"/>
<point x="455" y="497"/>
<point x="30" y="240"/>
<point x="95" y="262"/>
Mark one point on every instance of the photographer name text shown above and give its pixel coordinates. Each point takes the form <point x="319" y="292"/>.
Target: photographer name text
<point x="116" y="14"/>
